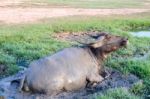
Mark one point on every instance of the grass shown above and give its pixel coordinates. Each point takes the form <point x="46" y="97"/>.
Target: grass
<point x="118" y="93"/>
<point x="23" y="43"/>
<point x="95" y="3"/>
<point x="19" y="45"/>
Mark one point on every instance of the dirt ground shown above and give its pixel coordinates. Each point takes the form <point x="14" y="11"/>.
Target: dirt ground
<point x="12" y="11"/>
<point x="25" y="15"/>
<point x="4" y="3"/>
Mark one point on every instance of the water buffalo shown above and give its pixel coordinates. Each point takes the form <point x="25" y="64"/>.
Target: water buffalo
<point x="71" y="68"/>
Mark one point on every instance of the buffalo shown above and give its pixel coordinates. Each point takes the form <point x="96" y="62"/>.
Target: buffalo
<point x="71" y="68"/>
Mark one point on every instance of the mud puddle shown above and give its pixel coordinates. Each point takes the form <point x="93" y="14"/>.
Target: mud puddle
<point x="141" y="33"/>
<point x="115" y="80"/>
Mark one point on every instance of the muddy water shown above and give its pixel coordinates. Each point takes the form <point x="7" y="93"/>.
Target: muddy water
<point x="115" y="80"/>
<point x="141" y="33"/>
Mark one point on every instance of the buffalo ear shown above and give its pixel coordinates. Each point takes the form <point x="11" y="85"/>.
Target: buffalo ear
<point x="99" y="42"/>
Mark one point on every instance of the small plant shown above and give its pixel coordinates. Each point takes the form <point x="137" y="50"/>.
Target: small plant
<point x="138" y="88"/>
<point x="147" y="87"/>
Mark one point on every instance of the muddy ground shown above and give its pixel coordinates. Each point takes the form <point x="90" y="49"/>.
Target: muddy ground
<point x="29" y="14"/>
<point x="15" y="11"/>
<point x="115" y="80"/>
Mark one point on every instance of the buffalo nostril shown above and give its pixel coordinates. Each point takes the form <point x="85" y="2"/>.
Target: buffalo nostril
<point x="123" y="41"/>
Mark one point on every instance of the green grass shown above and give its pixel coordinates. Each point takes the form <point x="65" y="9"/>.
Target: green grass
<point x="95" y="3"/>
<point x="118" y="93"/>
<point x="20" y="44"/>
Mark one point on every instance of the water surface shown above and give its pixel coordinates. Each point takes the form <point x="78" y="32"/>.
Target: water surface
<point x="141" y="33"/>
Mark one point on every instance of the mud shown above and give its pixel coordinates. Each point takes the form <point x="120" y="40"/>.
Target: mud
<point x="81" y="37"/>
<point x="115" y="80"/>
